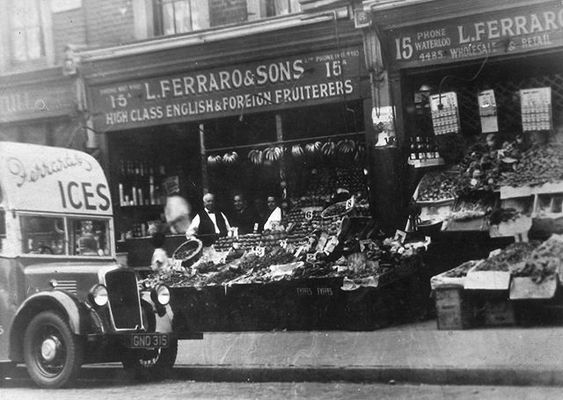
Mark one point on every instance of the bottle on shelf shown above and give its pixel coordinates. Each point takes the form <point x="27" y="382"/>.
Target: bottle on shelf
<point x="420" y="148"/>
<point x="413" y="152"/>
<point x="428" y="146"/>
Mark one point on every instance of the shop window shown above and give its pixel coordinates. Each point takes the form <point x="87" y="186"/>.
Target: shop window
<point x="180" y="16"/>
<point x="27" y="34"/>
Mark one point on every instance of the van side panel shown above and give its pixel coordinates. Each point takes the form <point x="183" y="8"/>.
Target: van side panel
<point x="12" y="294"/>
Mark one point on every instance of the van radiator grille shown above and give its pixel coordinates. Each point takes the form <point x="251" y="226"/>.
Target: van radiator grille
<point x="123" y="297"/>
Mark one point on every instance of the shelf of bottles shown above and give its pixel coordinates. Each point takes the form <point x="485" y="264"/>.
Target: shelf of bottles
<point x="424" y="152"/>
<point x="139" y="183"/>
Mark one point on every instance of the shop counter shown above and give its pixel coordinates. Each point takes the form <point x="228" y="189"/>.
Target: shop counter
<point x="304" y="304"/>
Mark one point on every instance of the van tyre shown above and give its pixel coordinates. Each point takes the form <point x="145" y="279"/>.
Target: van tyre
<point x="150" y="364"/>
<point x="52" y="353"/>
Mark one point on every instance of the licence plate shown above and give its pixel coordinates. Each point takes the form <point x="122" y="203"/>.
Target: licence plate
<point x="148" y="340"/>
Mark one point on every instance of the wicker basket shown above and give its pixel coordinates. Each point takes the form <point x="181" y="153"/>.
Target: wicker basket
<point x="188" y="252"/>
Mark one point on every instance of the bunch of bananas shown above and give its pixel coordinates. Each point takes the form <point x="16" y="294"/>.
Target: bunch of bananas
<point x="230" y="158"/>
<point x="329" y="148"/>
<point x="297" y="151"/>
<point x="273" y="153"/>
<point x="256" y="156"/>
<point x="313" y="148"/>
<point x="213" y="160"/>
<point x="346" y="146"/>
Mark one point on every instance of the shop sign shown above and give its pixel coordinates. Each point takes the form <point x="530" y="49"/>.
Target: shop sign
<point x="517" y="30"/>
<point x="21" y="103"/>
<point x="309" y="79"/>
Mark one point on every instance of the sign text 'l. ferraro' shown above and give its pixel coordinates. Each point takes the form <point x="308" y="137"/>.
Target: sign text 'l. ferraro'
<point x="262" y="86"/>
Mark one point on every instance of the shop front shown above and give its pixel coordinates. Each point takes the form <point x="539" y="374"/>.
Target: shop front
<point x="269" y="119"/>
<point x="480" y="102"/>
<point x="43" y="107"/>
<point x="285" y="114"/>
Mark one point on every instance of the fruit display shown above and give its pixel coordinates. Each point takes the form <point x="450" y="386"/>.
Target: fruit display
<point x="545" y="260"/>
<point x="437" y="186"/>
<point x="473" y="205"/>
<point x="461" y="270"/>
<point x="507" y="258"/>
<point x="251" y="267"/>
<point x="333" y="248"/>
<point x="537" y="165"/>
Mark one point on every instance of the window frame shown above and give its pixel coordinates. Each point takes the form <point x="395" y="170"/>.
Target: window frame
<point x="47" y="44"/>
<point x="69" y="242"/>
<point x="158" y="16"/>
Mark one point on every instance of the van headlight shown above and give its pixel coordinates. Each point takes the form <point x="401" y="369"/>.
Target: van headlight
<point x="99" y="295"/>
<point x="162" y="295"/>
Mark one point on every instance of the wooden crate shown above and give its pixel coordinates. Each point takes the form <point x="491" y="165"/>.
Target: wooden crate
<point x="453" y="309"/>
<point x="498" y="312"/>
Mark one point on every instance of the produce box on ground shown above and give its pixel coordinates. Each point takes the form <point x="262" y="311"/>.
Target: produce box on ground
<point x="453" y="308"/>
<point x="495" y="312"/>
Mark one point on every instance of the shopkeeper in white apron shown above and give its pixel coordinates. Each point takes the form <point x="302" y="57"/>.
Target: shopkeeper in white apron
<point x="209" y="223"/>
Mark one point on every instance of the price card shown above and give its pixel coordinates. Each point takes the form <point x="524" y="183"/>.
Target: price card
<point x="400" y="235"/>
<point x="350" y="203"/>
<point x="331" y="245"/>
<point x="308" y="215"/>
<point x="260" y="251"/>
<point x="427" y="241"/>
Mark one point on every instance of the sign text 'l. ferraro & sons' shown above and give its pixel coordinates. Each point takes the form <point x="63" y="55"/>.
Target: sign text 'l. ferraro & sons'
<point x="511" y="31"/>
<point x="302" y="80"/>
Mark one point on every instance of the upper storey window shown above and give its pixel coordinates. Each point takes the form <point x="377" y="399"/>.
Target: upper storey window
<point x="172" y="17"/>
<point x="181" y="16"/>
<point x="27" y="34"/>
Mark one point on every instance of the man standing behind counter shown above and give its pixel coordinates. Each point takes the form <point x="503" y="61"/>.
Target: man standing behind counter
<point x="209" y="223"/>
<point x="244" y="218"/>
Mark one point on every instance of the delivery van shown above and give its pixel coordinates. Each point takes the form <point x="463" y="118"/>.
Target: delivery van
<point x="64" y="300"/>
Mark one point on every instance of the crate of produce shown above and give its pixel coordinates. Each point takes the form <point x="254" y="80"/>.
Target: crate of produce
<point x="454" y="276"/>
<point x="495" y="272"/>
<point x="453" y="308"/>
<point x="536" y="277"/>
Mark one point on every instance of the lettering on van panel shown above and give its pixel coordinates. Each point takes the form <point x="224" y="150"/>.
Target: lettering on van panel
<point x="83" y="195"/>
<point x="42" y="168"/>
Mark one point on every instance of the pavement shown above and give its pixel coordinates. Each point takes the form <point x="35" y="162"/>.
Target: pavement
<point x="418" y="353"/>
<point x="413" y="353"/>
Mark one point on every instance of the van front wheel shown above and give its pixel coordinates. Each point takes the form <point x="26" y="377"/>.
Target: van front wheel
<point x="52" y="353"/>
